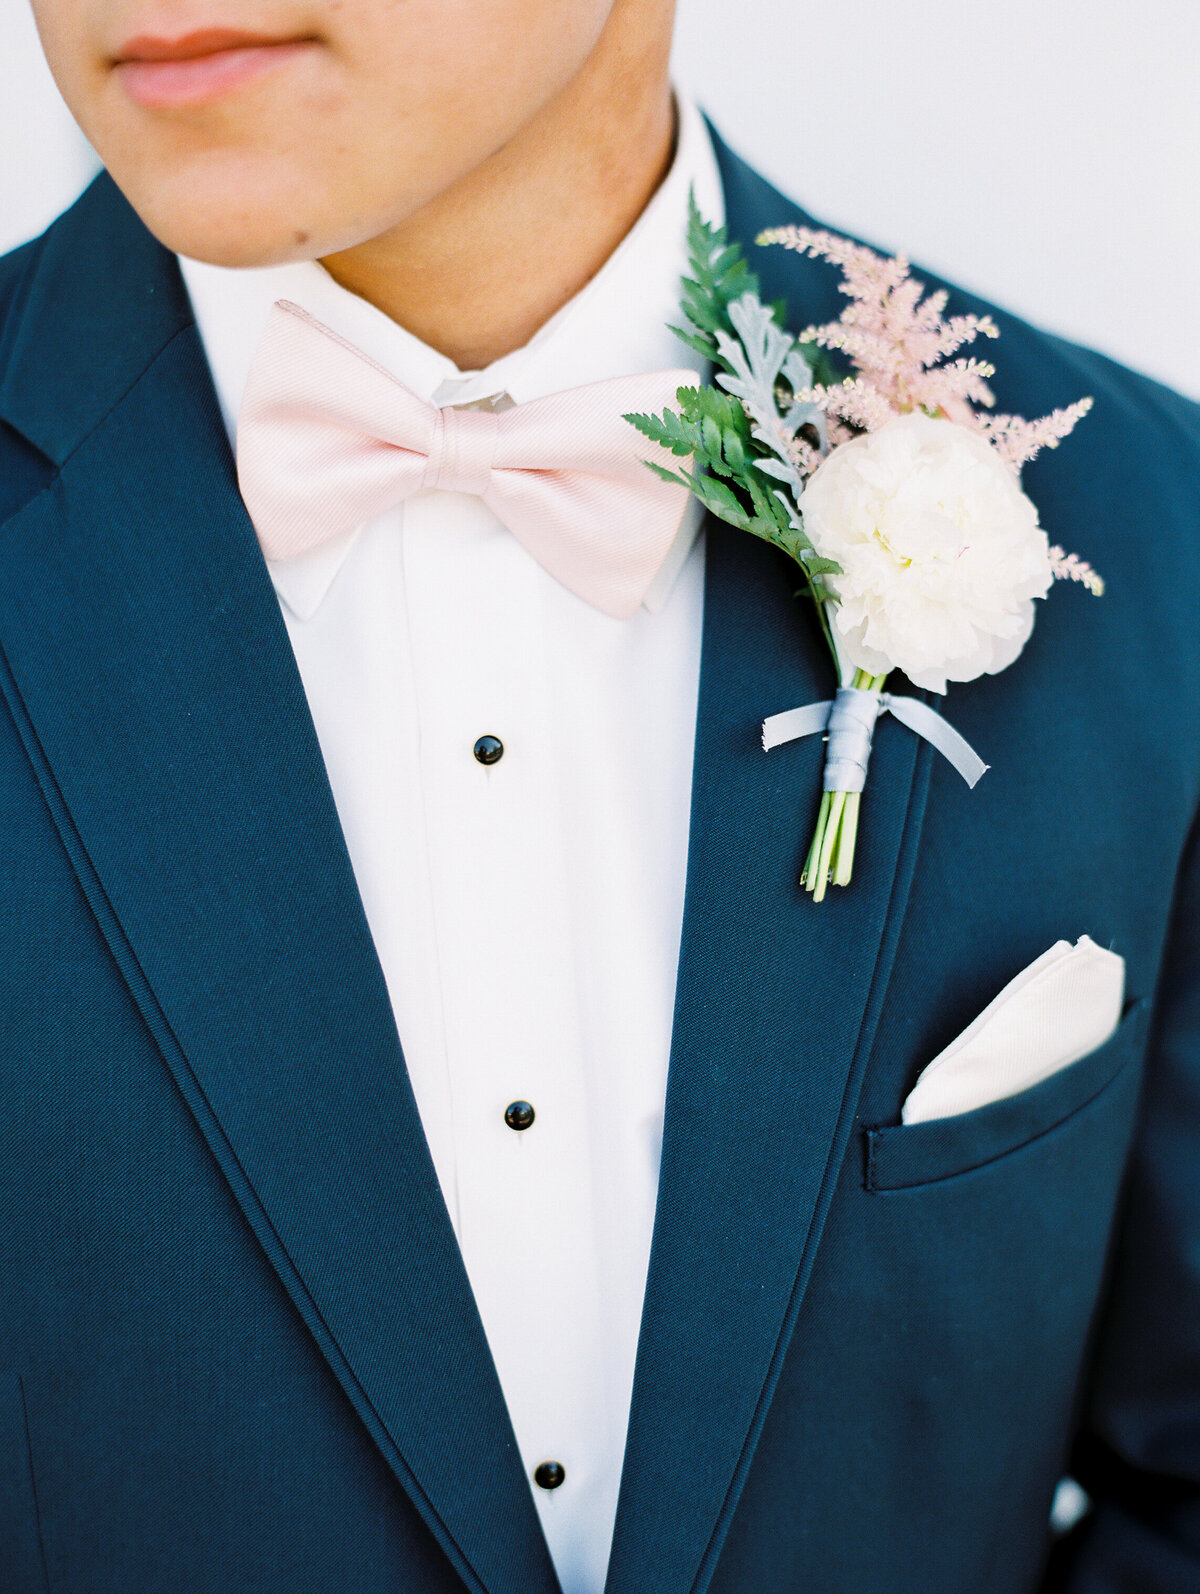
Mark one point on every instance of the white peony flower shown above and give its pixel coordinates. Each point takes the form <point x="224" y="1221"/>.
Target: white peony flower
<point x="941" y="551"/>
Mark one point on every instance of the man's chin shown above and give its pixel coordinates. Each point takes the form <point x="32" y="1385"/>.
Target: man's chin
<point x="244" y="252"/>
<point x="234" y="225"/>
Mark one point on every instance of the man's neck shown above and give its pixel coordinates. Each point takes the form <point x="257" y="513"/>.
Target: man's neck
<point x="478" y="271"/>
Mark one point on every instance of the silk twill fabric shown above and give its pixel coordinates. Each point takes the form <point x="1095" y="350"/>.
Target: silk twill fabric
<point x="327" y="439"/>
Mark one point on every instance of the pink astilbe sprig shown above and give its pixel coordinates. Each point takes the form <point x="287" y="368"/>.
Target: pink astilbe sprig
<point x="895" y="339"/>
<point x="900" y="346"/>
<point x="803" y="456"/>
<point x="855" y="401"/>
<point x="1017" y="441"/>
<point x="1070" y="567"/>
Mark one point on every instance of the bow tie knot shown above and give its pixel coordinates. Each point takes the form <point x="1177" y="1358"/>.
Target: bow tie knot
<point x="327" y="440"/>
<point x="462" y="451"/>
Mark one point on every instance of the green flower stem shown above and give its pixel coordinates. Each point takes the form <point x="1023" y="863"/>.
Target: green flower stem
<point x="814" y="852"/>
<point x="831" y="857"/>
<point x="822" y="607"/>
<point x="847" y="836"/>
<point x="828" y="842"/>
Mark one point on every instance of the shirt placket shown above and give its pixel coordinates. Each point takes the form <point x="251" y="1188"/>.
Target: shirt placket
<point x="504" y="946"/>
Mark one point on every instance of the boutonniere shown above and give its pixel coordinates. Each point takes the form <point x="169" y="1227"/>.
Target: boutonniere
<point x="895" y="489"/>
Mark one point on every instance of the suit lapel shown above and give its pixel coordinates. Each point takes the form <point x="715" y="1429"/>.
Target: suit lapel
<point x="776" y="1005"/>
<point x="150" y="673"/>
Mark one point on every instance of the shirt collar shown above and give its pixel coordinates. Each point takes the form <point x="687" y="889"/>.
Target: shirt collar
<point x="617" y="325"/>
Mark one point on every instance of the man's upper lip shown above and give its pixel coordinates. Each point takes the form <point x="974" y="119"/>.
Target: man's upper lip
<point x="203" y="41"/>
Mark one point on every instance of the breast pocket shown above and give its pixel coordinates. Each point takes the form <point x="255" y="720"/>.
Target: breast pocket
<point x="21" y="1559"/>
<point x="900" y="1156"/>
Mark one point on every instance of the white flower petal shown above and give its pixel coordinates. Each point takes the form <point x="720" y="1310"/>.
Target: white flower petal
<point x="941" y="551"/>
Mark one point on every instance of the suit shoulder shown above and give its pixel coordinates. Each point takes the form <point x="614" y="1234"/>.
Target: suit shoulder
<point x="16" y="274"/>
<point x="1123" y="491"/>
<point x="24" y="469"/>
<point x="1138" y="429"/>
<point x="1136" y="413"/>
<point x="84" y="310"/>
<point x="1027" y="358"/>
<point x="13" y="267"/>
<point x="1133" y="397"/>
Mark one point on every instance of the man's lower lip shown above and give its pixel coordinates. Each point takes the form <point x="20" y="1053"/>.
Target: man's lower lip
<point x="162" y="84"/>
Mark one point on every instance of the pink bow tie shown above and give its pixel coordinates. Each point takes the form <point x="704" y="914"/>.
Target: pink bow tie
<point x="327" y="439"/>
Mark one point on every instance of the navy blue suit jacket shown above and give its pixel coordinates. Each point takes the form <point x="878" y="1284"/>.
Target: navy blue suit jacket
<point x="238" y="1350"/>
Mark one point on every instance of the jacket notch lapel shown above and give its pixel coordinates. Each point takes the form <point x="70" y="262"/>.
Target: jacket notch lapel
<point x="150" y="672"/>
<point x="776" y="1007"/>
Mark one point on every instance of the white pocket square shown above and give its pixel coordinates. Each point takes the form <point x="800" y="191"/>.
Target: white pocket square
<point x="1057" y="1010"/>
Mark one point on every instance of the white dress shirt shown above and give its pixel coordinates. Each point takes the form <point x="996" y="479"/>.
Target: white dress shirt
<point x="526" y="913"/>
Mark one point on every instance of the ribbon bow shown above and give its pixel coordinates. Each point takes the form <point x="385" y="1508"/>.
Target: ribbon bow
<point x="850" y="720"/>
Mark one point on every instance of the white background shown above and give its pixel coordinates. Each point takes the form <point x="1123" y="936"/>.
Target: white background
<point x="1043" y="152"/>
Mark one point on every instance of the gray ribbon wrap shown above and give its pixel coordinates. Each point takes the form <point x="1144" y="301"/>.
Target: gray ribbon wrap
<point x="849" y="721"/>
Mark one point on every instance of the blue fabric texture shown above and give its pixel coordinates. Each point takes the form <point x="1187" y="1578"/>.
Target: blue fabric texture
<point x="238" y="1349"/>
